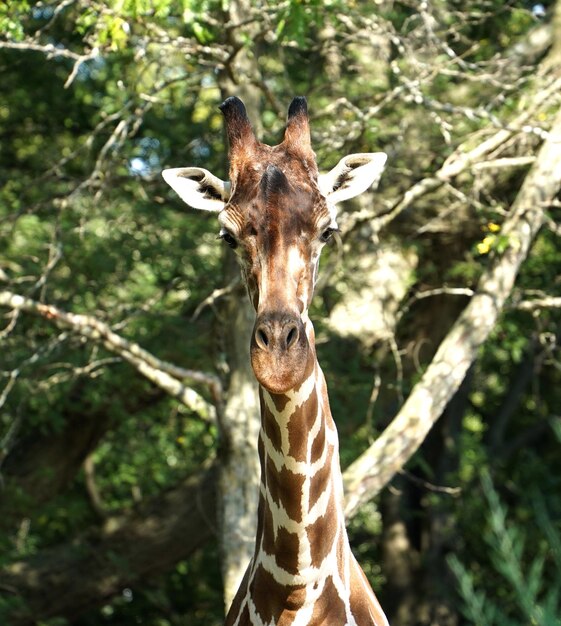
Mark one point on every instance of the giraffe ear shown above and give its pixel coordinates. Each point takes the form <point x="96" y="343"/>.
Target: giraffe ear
<point x="353" y="174"/>
<point x="198" y="187"/>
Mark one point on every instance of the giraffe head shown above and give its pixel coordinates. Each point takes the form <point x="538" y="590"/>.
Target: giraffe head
<point x="276" y="212"/>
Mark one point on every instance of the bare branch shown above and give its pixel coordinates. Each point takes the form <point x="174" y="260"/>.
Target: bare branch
<point x="376" y="467"/>
<point x="78" y="64"/>
<point x="13" y="375"/>
<point x="49" y="50"/>
<point x="165" y="375"/>
<point x="450" y="491"/>
<point x="215" y="296"/>
<point x="549" y="302"/>
<point x="429" y="293"/>
<point x="91" y="370"/>
<point x="52" y="52"/>
<point x="461" y="160"/>
<point x="91" y="486"/>
<point x="522" y="161"/>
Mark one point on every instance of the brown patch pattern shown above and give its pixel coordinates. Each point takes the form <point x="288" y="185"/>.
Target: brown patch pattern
<point x="330" y="608"/>
<point x="285" y="489"/>
<point x="275" y="602"/>
<point x="322" y="534"/>
<point x="321" y="480"/>
<point x="299" y="425"/>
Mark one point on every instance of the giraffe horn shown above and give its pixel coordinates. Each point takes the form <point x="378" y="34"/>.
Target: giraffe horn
<point x="297" y="133"/>
<point x="238" y="128"/>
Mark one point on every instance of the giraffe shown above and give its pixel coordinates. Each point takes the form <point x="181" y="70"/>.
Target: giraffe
<point x="277" y="213"/>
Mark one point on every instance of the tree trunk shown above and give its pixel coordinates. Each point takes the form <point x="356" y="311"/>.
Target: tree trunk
<point x="239" y="470"/>
<point x="400" y="559"/>
<point x="239" y="473"/>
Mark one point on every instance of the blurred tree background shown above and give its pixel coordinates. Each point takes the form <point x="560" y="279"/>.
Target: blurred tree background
<point x="126" y="404"/>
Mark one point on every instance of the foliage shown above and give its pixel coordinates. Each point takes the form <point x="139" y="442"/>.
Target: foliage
<point x="527" y="594"/>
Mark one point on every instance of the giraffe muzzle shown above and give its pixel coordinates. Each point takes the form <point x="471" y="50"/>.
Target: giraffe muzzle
<point x="279" y="351"/>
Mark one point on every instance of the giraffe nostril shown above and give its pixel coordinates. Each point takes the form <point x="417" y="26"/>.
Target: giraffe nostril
<point x="291" y="336"/>
<point x="261" y="338"/>
<point x="276" y="335"/>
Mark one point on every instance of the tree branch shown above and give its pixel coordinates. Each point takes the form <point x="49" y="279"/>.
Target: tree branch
<point x="165" y="375"/>
<point x="376" y="467"/>
<point x="463" y="158"/>
<point x="547" y="302"/>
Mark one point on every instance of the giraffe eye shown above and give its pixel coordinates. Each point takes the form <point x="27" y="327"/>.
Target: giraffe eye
<point x="327" y="234"/>
<point x="228" y="238"/>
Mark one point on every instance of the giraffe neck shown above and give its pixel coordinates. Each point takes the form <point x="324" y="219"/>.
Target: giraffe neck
<point x="301" y="486"/>
<point x="303" y="572"/>
<point x="302" y="550"/>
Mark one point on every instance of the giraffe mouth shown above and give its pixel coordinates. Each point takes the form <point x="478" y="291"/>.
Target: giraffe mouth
<point x="279" y="352"/>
